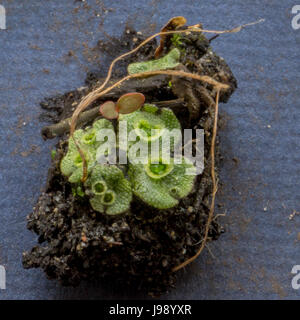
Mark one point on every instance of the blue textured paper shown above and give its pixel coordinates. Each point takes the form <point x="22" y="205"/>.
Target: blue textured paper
<point x="254" y="258"/>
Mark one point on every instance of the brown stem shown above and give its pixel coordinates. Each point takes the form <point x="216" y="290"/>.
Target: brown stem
<point x="172" y="104"/>
<point x="58" y="129"/>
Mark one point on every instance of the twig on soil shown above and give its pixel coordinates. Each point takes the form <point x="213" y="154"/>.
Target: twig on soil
<point x="176" y="103"/>
<point x="58" y="129"/>
<point x="62" y="127"/>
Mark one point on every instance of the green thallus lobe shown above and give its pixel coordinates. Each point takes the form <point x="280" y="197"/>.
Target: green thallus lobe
<point x="71" y="164"/>
<point x="150" y="122"/>
<point x="108" y="198"/>
<point x="99" y="187"/>
<point x="159" y="183"/>
<point x="169" y="61"/>
<point x="111" y="191"/>
<point x="158" y="168"/>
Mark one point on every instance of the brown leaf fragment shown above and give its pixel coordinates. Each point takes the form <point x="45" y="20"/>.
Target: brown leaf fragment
<point x="172" y="24"/>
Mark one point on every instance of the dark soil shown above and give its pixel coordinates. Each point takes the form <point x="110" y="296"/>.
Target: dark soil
<point x="141" y="247"/>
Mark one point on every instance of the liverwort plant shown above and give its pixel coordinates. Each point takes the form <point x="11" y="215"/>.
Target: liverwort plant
<point x="159" y="181"/>
<point x="71" y="165"/>
<point x="150" y="124"/>
<point x="169" y="61"/>
<point x="110" y="192"/>
<point x="161" y="184"/>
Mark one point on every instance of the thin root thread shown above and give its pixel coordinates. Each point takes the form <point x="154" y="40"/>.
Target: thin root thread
<point x="215" y="188"/>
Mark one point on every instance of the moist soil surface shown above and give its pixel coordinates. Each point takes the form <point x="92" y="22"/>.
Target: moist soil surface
<point x="141" y="247"/>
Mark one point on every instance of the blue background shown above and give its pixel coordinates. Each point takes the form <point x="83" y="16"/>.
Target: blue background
<point x="254" y="258"/>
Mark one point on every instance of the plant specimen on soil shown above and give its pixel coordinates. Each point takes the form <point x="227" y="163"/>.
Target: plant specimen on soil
<point x="110" y="191"/>
<point x="138" y="222"/>
<point x="159" y="183"/>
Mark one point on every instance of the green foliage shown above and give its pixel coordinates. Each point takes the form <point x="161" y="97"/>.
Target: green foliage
<point x="176" y="40"/>
<point x="169" y="61"/>
<point x="110" y="191"/>
<point x="161" y="185"/>
<point x="149" y="118"/>
<point x="71" y="165"/>
<point x="53" y="154"/>
<point x="77" y="191"/>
